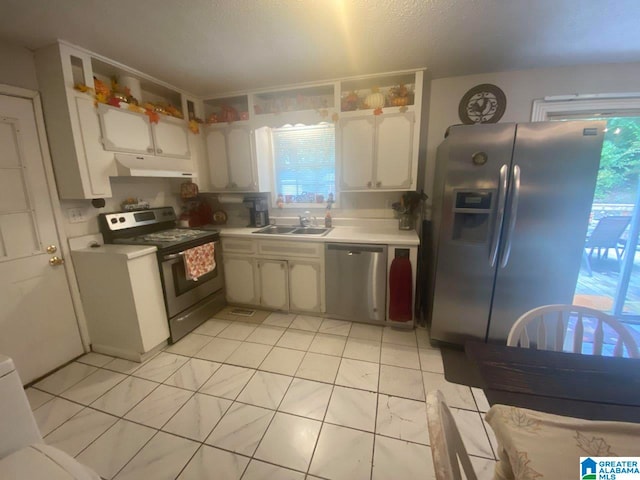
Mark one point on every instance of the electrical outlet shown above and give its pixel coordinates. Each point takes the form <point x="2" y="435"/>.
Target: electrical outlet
<point x="76" y="215"/>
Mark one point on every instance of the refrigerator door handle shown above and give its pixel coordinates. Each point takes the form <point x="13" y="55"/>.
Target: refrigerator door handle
<point x="502" y="195"/>
<point x="513" y="211"/>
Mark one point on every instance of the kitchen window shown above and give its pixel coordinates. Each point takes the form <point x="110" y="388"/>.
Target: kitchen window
<point x="305" y="164"/>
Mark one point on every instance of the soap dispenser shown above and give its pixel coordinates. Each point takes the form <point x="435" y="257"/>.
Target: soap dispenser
<point x="327" y="218"/>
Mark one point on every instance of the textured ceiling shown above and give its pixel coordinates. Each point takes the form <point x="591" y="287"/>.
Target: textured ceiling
<point x="217" y="46"/>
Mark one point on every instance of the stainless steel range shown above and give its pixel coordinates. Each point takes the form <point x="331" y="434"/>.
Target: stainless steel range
<point x="188" y="302"/>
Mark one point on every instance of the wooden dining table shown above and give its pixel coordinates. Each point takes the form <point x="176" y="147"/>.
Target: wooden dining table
<point x="583" y="386"/>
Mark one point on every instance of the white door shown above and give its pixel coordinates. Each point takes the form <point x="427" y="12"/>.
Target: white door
<point x="171" y="138"/>
<point x="240" y="158"/>
<point x="394" y="150"/>
<point x="217" y="154"/>
<point x="305" y="286"/>
<point x="38" y="325"/>
<point x="356" y="152"/>
<point x="239" y="280"/>
<point x="274" y="289"/>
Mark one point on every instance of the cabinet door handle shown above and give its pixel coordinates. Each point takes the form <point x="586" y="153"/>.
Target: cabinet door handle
<point x="369" y="184"/>
<point x="159" y="150"/>
<point x="378" y="184"/>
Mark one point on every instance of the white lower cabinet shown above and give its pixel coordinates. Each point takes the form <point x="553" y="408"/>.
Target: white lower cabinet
<point x="285" y="276"/>
<point x="274" y="284"/>
<point x="241" y="281"/>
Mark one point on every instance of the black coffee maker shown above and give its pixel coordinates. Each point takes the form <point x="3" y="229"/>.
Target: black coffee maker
<point x="258" y="211"/>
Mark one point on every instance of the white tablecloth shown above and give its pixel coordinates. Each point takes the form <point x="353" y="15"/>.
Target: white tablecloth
<point x="537" y="445"/>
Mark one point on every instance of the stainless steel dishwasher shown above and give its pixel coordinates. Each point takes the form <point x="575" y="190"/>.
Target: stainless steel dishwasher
<point x="356" y="281"/>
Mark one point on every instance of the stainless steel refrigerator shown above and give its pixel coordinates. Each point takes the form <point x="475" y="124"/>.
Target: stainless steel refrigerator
<point x="510" y="214"/>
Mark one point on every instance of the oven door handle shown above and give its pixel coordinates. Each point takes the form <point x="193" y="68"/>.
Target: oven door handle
<point x="173" y="256"/>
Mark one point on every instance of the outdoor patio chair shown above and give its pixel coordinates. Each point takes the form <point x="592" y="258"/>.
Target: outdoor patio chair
<point x="546" y="328"/>
<point x="606" y="235"/>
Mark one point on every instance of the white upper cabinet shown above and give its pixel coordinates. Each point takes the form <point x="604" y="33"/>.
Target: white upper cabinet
<point x="231" y="158"/>
<point x="83" y="138"/>
<point x="356" y="144"/>
<point x="394" y="151"/>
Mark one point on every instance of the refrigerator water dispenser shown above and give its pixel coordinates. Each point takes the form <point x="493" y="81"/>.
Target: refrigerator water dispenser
<point x="471" y="216"/>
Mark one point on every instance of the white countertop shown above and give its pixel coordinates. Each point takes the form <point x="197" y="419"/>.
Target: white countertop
<point x="342" y="234"/>
<point x="128" y="251"/>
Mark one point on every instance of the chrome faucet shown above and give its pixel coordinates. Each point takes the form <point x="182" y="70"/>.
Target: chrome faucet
<point x="305" y="220"/>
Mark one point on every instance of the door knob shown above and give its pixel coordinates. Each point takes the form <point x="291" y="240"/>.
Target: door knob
<point x="55" y="261"/>
<point x="52" y="249"/>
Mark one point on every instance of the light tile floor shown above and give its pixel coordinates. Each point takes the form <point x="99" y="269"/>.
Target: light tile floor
<point x="296" y="397"/>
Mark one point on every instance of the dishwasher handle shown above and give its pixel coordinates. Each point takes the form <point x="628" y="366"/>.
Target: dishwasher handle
<point x="355" y="249"/>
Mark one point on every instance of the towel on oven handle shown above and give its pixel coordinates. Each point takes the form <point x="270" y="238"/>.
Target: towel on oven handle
<point x="199" y="261"/>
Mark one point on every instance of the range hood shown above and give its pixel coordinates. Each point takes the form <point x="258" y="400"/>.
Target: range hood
<point x="153" y="166"/>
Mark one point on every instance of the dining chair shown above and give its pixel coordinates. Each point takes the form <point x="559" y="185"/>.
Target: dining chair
<point x="447" y="449"/>
<point x="546" y="328"/>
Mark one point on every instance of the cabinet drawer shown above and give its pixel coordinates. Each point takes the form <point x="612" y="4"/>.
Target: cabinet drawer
<point x="238" y="245"/>
<point x="290" y="249"/>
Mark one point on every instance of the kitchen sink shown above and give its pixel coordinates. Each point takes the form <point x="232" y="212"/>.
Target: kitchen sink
<point x="282" y="230"/>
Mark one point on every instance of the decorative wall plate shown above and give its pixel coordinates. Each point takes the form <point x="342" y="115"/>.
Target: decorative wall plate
<point x="484" y="103"/>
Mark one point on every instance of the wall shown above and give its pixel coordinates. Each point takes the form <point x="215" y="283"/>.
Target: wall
<point x="18" y="68"/>
<point x="521" y="88"/>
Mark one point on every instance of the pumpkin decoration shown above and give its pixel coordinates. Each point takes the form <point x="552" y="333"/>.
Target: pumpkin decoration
<point x="375" y="99"/>
<point x="400" y="96"/>
<point x="350" y="101"/>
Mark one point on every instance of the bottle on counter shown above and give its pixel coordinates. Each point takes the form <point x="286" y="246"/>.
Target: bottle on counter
<point x="327" y="218"/>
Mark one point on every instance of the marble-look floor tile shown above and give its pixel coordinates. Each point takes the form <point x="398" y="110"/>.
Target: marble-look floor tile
<point x="399" y="336"/>
<point x="193" y="374"/>
<point x="241" y="428"/>
<point x="227" y="382"/>
<point x="124" y="396"/>
<point x="159" y="406"/>
<point x="431" y="360"/>
<point x="358" y="374"/>
<point x="483" y="467"/>
<point x="456" y="395"/>
<point x="189" y="344"/>
<point x="109" y="453"/>
<point x="306" y="322"/>
<point x="207" y="460"/>
<point x="282" y="360"/>
<point x="328" y="344"/>
<point x="398" y="459"/>
<point x="424" y="340"/>
<point x="481" y="400"/>
<point x="402" y="419"/>
<point x="352" y="408"/>
<point x="218" y="349"/>
<point x="278" y="319"/>
<point x="95" y="359"/>
<point x="493" y="441"/>
<point x="296" y="339"/>
<point x="361" y="349"/>
<point x="212" y="327"/>
<point x="160" y="367"/>
<point x="238" y="331"/>
<point x="343" y="454"/>
<point x="37" y="398"/>
<point x="400" y="356"/>
<point x="265" y="390"/>
<point x="266" y="334"/>
<point x="197" y="418"/>
<point x="123" y="366"/>
<point x="289" y="441"/>
<point x="59" y="381"/>
<point x="366" y="332"/>
<point x="307" y="399"/>
<point x="54" y="413"/>
<point x="161" y="459"/>
<point x="79" y="431"/>
<point x="473" y="433"/>
<point x="93" y="386"/>
<point x="335" y="327"/>
<point x="316" y="366"/>
<point x="249" y="355"/>
<point x="401" y="382"/>
<point x="258" y="470"/>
